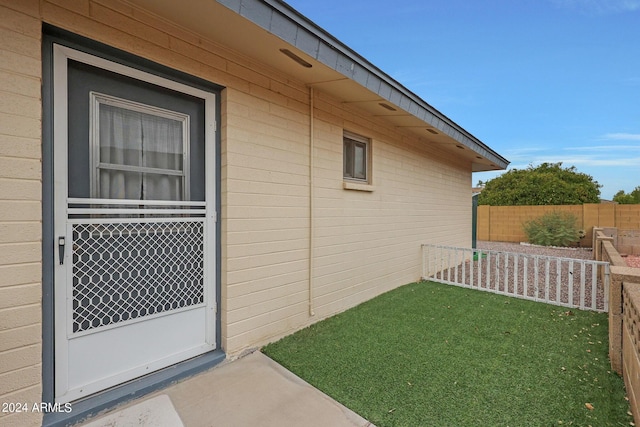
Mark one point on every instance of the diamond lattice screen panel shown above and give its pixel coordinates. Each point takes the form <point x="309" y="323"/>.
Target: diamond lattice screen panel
<point x="124" y="271"/>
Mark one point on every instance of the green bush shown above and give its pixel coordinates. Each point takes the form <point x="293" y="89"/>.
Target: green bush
<point x="553" y="229"/>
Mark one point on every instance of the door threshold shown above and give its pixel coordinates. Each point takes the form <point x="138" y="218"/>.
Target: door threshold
<point x="108" y="399"/>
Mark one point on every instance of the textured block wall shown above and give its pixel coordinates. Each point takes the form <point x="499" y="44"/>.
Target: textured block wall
<point x="20" y="209"/>
<point x="504" y="223"/>
<point x="365" y="242"/>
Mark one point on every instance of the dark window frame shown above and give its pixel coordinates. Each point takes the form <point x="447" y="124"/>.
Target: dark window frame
<point x="355" y="168"/>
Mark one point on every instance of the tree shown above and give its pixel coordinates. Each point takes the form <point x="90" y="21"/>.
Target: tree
<point x="547" y="184"/>
<point x="633" y="198"/>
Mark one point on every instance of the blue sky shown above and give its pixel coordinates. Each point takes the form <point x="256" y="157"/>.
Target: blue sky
<point x="535" y="80"/>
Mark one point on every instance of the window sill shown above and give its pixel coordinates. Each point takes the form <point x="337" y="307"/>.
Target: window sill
<point x="350" y="185"/>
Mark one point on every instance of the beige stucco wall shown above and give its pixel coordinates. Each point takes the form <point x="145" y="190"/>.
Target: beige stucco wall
<point x="365" y="243"/>
<point x="20" y="212"/>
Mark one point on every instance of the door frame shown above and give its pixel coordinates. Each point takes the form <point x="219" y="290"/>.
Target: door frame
<point x="116" y="60"/>
<point x="61" y="56"/>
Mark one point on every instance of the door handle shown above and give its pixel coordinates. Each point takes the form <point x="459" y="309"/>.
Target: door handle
<point x="61" y="244"/>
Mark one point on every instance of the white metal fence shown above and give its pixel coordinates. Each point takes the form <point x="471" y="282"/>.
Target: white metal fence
<point x="566" y="282"/>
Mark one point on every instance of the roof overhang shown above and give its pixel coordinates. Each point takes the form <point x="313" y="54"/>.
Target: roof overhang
<point x="261" y="29"/>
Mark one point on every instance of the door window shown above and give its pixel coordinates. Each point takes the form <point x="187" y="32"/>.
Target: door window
<point x="138" y="152"/>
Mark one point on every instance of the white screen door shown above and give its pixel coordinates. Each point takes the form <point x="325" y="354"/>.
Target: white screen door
<point x="134" y="223"/>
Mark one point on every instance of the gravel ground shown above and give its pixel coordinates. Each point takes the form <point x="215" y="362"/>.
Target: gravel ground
<point x="633" y="261"/>
<point x="577" y="253"/>
<point x="497" y="274"/>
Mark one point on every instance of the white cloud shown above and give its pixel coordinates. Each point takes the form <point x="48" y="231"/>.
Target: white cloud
<point x="622" y="136"/>
<point x="525" y="150"/>
<point x="607" y="148"/>
<point x="634" y="81"/>
<point x="522" y="153"/>
<point x="590" y="161"/>
<point x="599" y="6"/>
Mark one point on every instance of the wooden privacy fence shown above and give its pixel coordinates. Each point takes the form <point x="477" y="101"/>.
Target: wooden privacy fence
<point x="504" y="223"/>
<point x="566" y="282"/>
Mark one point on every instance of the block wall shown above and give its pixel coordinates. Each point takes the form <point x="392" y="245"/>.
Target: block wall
<point x="369" y="242"/>
<point x="364" y="242"/>
<point x="504" y="223"/>
<point x="20" y="209"/>
<point x="627" y="217"/>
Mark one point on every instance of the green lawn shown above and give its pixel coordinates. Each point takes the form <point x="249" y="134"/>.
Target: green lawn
<point x="428" y="354"/>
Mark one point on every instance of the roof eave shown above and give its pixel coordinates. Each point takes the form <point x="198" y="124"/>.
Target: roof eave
<point x="280" y="19"/>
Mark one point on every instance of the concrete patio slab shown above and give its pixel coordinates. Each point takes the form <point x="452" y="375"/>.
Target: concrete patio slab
<point x="155" y="412"/>
<point x="251" y="391"/>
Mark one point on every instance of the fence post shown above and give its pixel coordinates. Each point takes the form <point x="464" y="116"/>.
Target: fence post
<point x="424" y="263"/>
<point x="615" y="324"/>
<point x="605" y="284"/>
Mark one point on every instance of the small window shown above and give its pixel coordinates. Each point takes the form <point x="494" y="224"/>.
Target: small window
<point x="356" y="157"/>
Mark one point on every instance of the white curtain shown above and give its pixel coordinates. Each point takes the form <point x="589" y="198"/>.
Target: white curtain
<point x="132" y="138"/>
